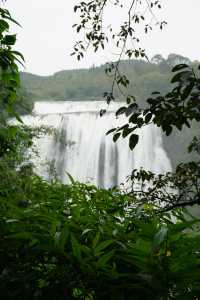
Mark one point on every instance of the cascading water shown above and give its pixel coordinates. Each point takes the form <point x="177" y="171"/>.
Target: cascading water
<point x="79" y="145"/>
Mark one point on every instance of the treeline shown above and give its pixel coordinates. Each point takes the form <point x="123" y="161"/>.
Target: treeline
<point x="86" y="84"/>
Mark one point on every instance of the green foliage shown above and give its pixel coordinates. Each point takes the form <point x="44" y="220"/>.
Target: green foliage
<point x="10" y="136"/>
<point x="92" y="83"/>
<point x="177" y="108"/>
<point x="9" y="75"/>
<point x="80" y="242"/>
<point x="24" y="102"/>
<point x="177" y="143"/>
<point x="98" y="33"/>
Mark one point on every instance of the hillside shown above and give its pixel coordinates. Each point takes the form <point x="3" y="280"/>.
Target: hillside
<point x="92" y="83"/>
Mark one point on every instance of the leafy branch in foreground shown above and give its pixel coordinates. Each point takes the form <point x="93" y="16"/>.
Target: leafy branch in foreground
<point x="9" y="73"/>
<point x="98" y="33"/>
<point x="167" y="191"/>
<point x="11" y="137"/>
<point x="80" y="242"/>
<point x="177" y="108"/>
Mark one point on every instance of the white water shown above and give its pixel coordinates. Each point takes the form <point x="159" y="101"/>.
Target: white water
<point x="81" y="148"/>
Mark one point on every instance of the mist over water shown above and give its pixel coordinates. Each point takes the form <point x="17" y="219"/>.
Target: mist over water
<point x="79" y="145"/>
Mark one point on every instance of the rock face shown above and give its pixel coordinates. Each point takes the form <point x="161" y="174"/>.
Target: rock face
<point x="79" y="146"/>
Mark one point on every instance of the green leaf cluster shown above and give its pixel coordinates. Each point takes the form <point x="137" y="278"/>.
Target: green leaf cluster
<point x="81" y="242"/>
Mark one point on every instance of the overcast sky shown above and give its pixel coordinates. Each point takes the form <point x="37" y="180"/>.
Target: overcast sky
<point x="46" y="37"/>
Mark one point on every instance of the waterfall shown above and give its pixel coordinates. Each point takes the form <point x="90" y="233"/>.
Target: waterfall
<point x="79" y="146"/>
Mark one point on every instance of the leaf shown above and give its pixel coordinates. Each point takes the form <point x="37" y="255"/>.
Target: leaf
<point x="155" y="93"/>
<point x="127" y="131"/>
<point x="186" y="92"/>
<point x="110" y="131"/>
<point x="76" y="247"/>
<point x="16" y="53"/>
<point x="148" y="118"/>
<point x="9" y="40"/>
<point x="179" y="126"/>
<point x="168" y="129"/>
<point x="122" y="245"/>
<point x="181" y="76"/>
<point x="3" y="25"/>
<point x="134" y="118"/>
<point x="121" y="111"/>
<point x="179" y="67"/>
<point x="105" y="258"/>
<point x="96" y="239"/>
<point x="86" y="231"/>
<point x="12" y="220"/>
<point x="13" y="130"/>
<point x="116" y="136"/>
<point x="71" y="178"/>
<point x="102" y="112"/>
<point x="103" y="245"/>
<point x="8" y="17"/>
<point x="17" y="117"/>
<point x="133" y="140"/>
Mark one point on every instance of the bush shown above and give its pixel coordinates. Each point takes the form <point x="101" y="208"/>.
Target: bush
<point x="80" y="242"/>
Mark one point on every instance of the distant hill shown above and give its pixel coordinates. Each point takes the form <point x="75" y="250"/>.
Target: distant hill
<point x="85" y="84"/>
<point x="91" y="83"/>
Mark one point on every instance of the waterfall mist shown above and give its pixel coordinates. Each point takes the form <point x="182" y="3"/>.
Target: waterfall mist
<point x="79" y="146"/>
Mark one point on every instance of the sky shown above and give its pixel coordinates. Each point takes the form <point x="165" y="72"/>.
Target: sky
<point x="46" y="38"/>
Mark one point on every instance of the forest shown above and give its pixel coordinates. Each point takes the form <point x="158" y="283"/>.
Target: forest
<point x="78" y="241"/>
<point x="91" y="83"/>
